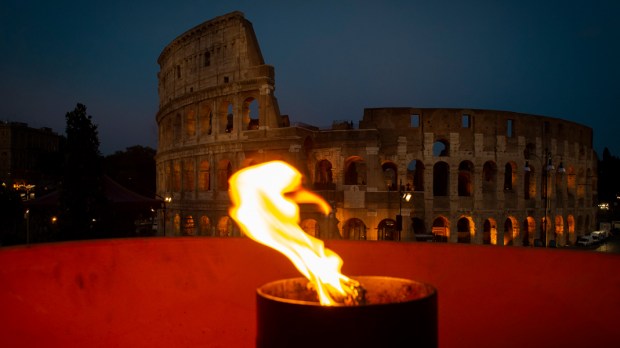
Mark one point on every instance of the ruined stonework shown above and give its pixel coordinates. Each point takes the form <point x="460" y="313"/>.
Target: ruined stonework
<point x="475" y="176"/>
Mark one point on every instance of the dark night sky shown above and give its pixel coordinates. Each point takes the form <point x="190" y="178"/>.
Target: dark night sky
<point x="332" y="59"/>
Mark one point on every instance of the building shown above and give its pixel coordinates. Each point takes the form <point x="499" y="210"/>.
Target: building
<point x="475" y="176"/>
<point x="24" y="152"/>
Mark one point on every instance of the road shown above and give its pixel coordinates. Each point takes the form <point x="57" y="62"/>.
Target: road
<point x="611" y="245"/>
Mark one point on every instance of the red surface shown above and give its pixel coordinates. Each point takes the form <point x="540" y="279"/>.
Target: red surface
<point x="178" y="292"/>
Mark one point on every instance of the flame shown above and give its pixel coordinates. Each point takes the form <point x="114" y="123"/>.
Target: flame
<point x="265" y="207"/>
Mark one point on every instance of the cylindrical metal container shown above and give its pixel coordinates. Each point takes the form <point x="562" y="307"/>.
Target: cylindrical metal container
<point x="398" y="312"/>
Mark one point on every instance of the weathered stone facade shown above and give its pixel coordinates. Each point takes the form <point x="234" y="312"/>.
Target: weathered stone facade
<point x="476" y="176"/>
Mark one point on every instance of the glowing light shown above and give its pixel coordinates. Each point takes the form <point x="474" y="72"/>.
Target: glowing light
<point x="265" y="200"/>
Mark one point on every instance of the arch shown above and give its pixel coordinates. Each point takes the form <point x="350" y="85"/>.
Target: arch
<point x="176" y="176"/>
<point x="323" y="179"/>
<point x="205" y="119"/>
<point x="441" y="148"/>
<point x="249" y="114"/>
<point x="465" y="229"/>
<point x="176" y="224"/>
<point x="204" y="176"/>
<point x="387" y="229"/>
<point x="188" y="175"/>
<point x="205" y="226"/>
<point x="466" y="179"/>
<point x="489" y="177"/>
<point x="355" y="171"/>
<point x="176" y="128"/>
<point x="417" y="226"/>
<point x="570" y="224"/>
<point x="390" y="175"/>
<point x="311" y="227"/>
<point x="441" y="179"/>
<point x="189" y="228"/>
<point x="441" y="230"/>
<point x="509" y="236"/>
<point x="225" y="117"/>
<point x="558" y="235"/>
<point x="512" y="230"/>
<point x="415" y="176"/>
<point x="529" y="231"/>
<point x="510" y="176"/>
<point x="224" y="227"/>
<point x="489" y="232"/>
<point x="354" y="229"/>
<point x="529" y="182"/>
<point x="224" y="171"/>
<point x="190" y="123"/>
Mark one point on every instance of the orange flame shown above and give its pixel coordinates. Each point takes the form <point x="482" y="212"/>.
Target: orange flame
<point x="265" y="207"/>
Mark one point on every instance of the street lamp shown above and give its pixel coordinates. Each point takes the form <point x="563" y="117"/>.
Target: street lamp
<point x="406" y="196"/>
<point x="165" y="200"/>
<point x="545" y="185"/>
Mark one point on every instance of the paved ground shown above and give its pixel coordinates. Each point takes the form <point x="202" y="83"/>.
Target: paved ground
<point x="611" y="245"/>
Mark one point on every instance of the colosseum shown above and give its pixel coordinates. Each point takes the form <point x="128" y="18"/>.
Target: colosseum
<point x="403" y="174"/>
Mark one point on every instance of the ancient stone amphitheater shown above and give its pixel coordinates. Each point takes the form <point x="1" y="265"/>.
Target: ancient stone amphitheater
<point x="408" y="174"/>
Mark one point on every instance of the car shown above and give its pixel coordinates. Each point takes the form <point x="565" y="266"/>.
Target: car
<point x="585" y="240"/>
<point x="599" y="235"/>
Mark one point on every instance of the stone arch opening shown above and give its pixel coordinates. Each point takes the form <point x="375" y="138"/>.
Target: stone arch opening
<point x="355" y="171"/>
<point x="224" y="171"/>
<point x="510" y="176"/>
<point x="465" y="229"/>
<point x="415" y="176"/>
<point x="189" y="228"/>
<point x="570" y="222"/>
<point x="417" y="226"/>
<point x="249" y="114"/>
<point x="529" y="182"/>
<point x="441" y="148"/>
<point x="390" y="175"/>
<point x="489" y="232"/>
<point x="559" y="235"/>
<point x="489" y="178"/>
<point x="188" y="175"/>
<point x="441" y="179"/>
<point x="205" y="119"/>
<point x="354" y="229"/>
<point x="204" y="176"/>
<point x="190" y="123"/>
<point x="224" y="226"/>
<point x="387" y="230"/>
<point x="466" y="179"/>
<point x="205" y="226"/>
<point x="323" y="178"/>
<point x="311" y="227"/>
<point x="441" y="230"/>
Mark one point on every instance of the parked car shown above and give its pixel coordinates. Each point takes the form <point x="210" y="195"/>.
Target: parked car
<point x="600" y="235"/>
<point x="585" y="240"/>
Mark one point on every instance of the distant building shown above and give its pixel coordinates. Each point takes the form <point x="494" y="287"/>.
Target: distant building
<point x="475" y="176"/>
<point x="23" y="150"/>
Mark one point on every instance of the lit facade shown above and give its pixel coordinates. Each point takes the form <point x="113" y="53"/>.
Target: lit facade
<point x="476" y="176"/>
<point x="23" y="150"/>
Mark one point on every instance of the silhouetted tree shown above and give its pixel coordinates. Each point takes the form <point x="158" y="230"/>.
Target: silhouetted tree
<point x="82" y="198"/>
<point x="11" y="216"/>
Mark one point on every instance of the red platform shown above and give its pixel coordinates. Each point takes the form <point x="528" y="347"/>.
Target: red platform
<point x="186" y="292"/>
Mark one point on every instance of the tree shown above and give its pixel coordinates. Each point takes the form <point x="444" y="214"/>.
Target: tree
<point x="82" y="199"/>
